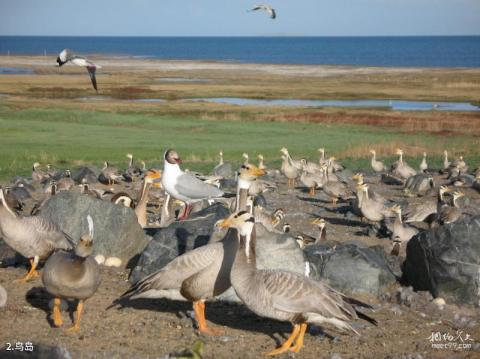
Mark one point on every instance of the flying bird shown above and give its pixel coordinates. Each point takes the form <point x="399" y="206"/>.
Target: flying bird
<point x="68" y="56"/>
<point x="267" y="8"/>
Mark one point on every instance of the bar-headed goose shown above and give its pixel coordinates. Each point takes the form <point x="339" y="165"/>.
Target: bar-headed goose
<point x="283" y="295"/>
<point x="377" y="166"/>
<point x="35" y="238"/>
<point x="201" y="273"/>
<point x="72" y="275"/>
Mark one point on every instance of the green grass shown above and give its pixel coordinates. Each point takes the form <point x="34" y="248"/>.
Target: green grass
<point x="68" y="138"/>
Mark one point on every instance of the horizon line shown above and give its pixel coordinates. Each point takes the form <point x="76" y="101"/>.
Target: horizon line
<point x="239" y="36"/>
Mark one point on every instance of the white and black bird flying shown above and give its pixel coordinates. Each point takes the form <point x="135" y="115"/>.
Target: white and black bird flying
<point x="267" y="8"/>
<point x="67" y="56"/>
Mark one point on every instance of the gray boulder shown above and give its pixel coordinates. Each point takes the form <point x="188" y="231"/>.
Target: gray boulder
<point x="351" y="269"/>
<point x="176" y="239"/>
<point x="446" y="261"/>
<point x="85" y="173"/>
<point x="117" y="232"/>
<point x="225" y="170"/>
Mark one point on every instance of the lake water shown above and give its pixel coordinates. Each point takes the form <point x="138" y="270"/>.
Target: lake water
<point x="418" y="51"/>
<point x="396" y="105"/>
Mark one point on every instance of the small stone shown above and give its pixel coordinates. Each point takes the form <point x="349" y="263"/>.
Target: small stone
<point x="100" y="258"/>
<point x="113" y="262"/>
<point x="336" y="356"/>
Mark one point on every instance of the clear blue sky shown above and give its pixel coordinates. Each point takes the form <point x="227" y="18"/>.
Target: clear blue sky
<point x="229" y="17"/>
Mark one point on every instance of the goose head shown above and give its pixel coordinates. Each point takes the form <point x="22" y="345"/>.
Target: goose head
<point x="373" y="152"/>
<point x="129" y="156"/>
<point x="284" y="151"/>
<point x="84" y="246"/>
<point x="68" y="173"/>
<point x="319" y="222"/>
<point x="242" y="221"/>
<point x="250" y="172"/>
<point x="321" y="150"/>
<point x="153" y="177"/>
<point x="172" y="157"/>
<point x="278" y="215"/>
<point x="399" y="152"/>
<point x="358" y="177"/>
<point x="36" y="165"/>
<point x="396" y="209"/>
<point x="260" y="157"/>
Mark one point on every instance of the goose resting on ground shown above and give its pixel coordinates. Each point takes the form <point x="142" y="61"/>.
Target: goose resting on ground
<point x="283" y="295"/>
<point x="72" y="275"/>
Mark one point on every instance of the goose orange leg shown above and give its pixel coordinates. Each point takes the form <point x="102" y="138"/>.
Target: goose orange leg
<point x="288" y="343"/>
<point x="78" y="316"/>
<point x="199" y="309"/>
<point x="32" y="273"/>
<point x="57" y="315"/>
<point x="299" y="342"/>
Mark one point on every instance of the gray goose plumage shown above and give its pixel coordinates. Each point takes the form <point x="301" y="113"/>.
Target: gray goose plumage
<point x="283" y="295"/>
<point x="35" y="238"/>
<point x="199" y="274"/>
<point x="72" y="275"/>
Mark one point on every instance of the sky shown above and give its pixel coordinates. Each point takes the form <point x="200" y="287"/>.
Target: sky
<point x="230" y="18"/>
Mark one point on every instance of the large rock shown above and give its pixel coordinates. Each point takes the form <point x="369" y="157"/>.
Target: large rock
<point x="176" y="239"/>
<point x="446" y="261"/>
<point x="351" y="269"/>
<point x="117" y="232"/>
<point x="85" y="173"/>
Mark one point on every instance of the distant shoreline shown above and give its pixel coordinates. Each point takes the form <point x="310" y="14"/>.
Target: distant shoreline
<point x="367" y="51"/>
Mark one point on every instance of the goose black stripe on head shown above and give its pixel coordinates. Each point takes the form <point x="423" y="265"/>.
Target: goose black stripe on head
<point x="242" y="213"/>
<point x="172" y="157"/>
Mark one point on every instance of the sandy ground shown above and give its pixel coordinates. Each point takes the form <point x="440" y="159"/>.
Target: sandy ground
<point x="153" y="328"/>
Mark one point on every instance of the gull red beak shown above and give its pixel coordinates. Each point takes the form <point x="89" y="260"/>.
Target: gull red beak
<point x="178" y="160"/>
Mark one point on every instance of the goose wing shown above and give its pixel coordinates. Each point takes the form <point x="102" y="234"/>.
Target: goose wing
<point x="297" y="294"/>
<point x="46" y="231"/>
<point x="194" y="188"/>
<point x="174" y="273"/>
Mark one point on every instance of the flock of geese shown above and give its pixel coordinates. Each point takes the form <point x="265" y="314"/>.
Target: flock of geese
<point x="71" y="272"/>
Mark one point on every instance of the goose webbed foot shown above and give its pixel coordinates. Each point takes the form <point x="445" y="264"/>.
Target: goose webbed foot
<point x="76" y="325"/>
<point x="32" y="273"/>
<point x="199" y="309"/>
<point x="288" y="343"/>
<point x="57" y="314"/>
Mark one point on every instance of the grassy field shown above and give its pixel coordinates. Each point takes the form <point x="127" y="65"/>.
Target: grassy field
<point x="54" y="116"/>
<point x="69" y="138"/>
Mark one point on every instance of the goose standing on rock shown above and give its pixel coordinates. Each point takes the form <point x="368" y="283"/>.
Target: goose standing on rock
<point x="72" y="275"/>
<point x="37" y="174"/>
<point x="201" y="273"/>
<point x="110" y="174"/>
<point x="185" y="186"/>
<point x="286" y="296"/>
<point x="67" y="56"/>
<point x="34" y="238"/>
<point x="141" y="207"/>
